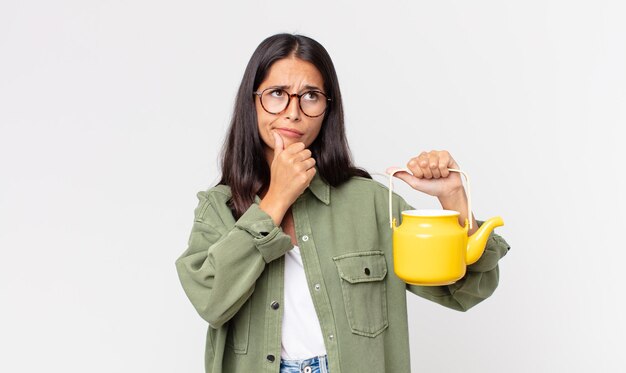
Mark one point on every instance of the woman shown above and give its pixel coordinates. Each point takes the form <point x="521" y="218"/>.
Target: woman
<point x="289" y="259"/>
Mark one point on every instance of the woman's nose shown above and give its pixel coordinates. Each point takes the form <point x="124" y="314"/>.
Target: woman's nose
<point x="293" y="109"/>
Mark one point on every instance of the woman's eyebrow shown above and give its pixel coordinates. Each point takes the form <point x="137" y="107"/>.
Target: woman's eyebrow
<point x="279" y="86"/>
<point x="308" y="86"/>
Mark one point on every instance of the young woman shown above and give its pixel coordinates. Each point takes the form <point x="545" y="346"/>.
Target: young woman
<point x="289" y="258"/>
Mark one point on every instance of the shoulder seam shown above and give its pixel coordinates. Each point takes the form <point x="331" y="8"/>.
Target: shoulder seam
<point x="377" y="184"/>
<point x="209" y="202"/>
<point x="221" y="189"/>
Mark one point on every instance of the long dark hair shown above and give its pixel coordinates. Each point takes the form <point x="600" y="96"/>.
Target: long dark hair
<point x="243" y="161"/>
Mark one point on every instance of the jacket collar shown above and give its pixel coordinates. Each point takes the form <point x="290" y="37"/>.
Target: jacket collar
<point x="320" y="188"/>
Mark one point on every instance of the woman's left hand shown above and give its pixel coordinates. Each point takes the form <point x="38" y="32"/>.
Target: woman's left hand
<point x="431" y="175"/>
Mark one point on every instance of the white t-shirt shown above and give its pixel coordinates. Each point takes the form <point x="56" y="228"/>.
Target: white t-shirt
<point x="301" y="333"/>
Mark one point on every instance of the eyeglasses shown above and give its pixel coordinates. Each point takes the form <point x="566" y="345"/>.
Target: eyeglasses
<point x="276" y="100"/>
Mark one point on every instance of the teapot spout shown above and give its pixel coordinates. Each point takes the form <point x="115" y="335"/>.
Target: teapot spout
<point x="476" y="243"/>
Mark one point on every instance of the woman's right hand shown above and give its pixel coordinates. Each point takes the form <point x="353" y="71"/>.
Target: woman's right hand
<point x="292" y="170"/>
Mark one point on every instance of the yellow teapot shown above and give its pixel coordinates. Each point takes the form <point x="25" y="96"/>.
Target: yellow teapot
<point x="430" y="247"/>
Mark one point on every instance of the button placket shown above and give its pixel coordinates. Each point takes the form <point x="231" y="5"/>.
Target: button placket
<point x="310" y="257"/>
<point x="274" y="296"/>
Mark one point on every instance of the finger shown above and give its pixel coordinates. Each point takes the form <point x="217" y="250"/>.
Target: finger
<point x="424" y="164"/>
<point x="279" y="144"/>
<point x="305" y="154"/>
<point x="296" y="147"/>
<point x="305" y="165"/>
<point x="433" y="163"/>
<point x="309" y="163"/>
<point x="393" y="169"/>
<point x="422" y="160"/>
<point x="310" y="173"/>
<point x="444" y="162"/>
<point x="413" y="181"/>
<point x="413" y="165"/>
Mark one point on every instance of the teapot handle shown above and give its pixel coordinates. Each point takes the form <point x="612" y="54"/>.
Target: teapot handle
<point x="467" y="183"/>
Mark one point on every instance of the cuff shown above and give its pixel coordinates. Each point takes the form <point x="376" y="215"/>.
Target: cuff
<point x="268" y="238"/>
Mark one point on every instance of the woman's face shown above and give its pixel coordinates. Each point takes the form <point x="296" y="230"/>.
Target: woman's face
<point x="294" y="76"/>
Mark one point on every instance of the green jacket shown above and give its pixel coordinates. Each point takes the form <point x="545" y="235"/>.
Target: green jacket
<point x="233" y="270"/>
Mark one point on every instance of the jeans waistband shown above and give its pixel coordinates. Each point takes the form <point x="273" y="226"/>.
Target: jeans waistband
<point x="318" y="364"/>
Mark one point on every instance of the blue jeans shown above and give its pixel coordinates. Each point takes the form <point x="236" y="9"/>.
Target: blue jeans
<point x="317" y="364"/>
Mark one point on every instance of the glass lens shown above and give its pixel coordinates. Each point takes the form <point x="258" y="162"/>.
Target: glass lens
<point x="274" y="100"/>
<point x="313" y="103"/>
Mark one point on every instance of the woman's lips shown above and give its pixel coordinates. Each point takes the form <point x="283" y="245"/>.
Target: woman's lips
<point x="288" y="133"/>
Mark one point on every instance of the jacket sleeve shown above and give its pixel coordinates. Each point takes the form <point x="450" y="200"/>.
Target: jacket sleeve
<point x="479" y="282"/>
<point x="222" y="262"/>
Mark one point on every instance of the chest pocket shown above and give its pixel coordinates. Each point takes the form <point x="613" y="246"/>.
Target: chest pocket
<point x="364" y="291"/>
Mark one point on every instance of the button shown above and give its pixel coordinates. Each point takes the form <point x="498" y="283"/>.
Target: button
<point x="331" y="336"/>
<point x="367" y="271"/>
<point x="317" y="287"/>
<point x="274" y="305"/>
<point x="307" y="369"/>
<point x="305" y="238"/>
<point x="271" y="358"/>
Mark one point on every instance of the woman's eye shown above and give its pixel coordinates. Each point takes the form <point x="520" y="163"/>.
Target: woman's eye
<point x="276" y="92"/>
<point x="311" y="96"/>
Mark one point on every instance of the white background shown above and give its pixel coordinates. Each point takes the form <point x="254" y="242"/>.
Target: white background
<point x="112" y="114"/>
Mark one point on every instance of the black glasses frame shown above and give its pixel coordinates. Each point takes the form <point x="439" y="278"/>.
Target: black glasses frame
<point x="290" y="95"/>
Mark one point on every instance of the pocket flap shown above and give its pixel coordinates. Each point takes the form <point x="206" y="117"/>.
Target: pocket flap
<point x="362" y="266"/>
